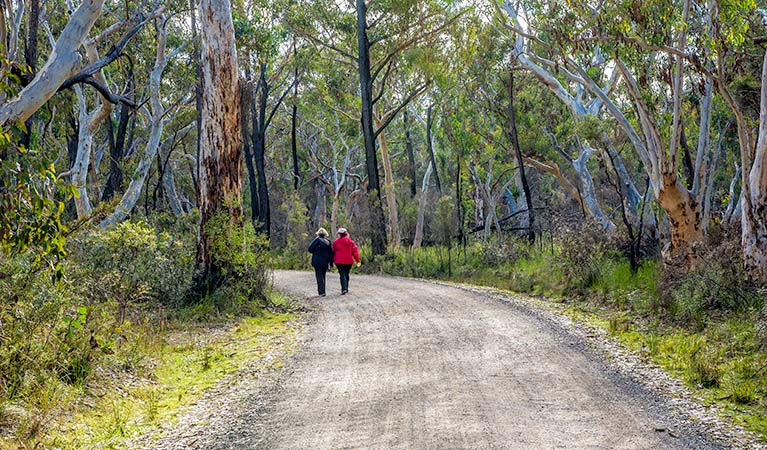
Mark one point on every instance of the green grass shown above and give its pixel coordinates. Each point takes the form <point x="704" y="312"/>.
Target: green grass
<point x="151" y="380"/>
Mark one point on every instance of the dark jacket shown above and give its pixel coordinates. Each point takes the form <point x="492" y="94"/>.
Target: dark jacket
<point x="345" y="251"/>
<point x="322" y="252"/>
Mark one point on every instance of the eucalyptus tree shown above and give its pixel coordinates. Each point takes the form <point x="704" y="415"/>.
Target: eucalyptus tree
<point x="268" y="57"/>
<point x="220" y="161"/>
<point x="729" y="26"/>
<point x="371" y="39"/>
<point x="573" y="41"/>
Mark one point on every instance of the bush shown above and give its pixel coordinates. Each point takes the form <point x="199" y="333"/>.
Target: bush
<point x="243" y="257"/>
<point x="719" y="283"/>
<point x="130" y="263"/>
<point x="583" y="254"/>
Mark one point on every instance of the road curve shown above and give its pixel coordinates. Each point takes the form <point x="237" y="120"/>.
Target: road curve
<point x="406" y="364"/>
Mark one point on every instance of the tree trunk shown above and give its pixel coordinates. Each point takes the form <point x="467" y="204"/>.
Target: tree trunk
<point x="685" y="221"/>
<point x="422" y="199"/>
<point x="263" y="220"/>
<point x="410" y="154"/>
<point x="520" y="161"/>
<point x="588" y="192"/>
<point x="116" y="152"/>
<point x="377" y="219"/>
<point x="334" y="212"/>
<point x="245" y="105"/>
<point x="391" y="195"/>
<point x="30" y="57"/>
<point x="430" y="146"/>
<point x="220" y="161"/>
<point x="82" y="160"/>
<point x="169" y="186"/>
<point x="293" y="124"/>
<point x="754" y="209"/>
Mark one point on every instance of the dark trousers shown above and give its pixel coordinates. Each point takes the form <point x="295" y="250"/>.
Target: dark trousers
<point x="320" y="272"/>
<point x="343" y="270"/>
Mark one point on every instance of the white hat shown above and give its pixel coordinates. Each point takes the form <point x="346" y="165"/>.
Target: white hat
<point x="342" y="230"/>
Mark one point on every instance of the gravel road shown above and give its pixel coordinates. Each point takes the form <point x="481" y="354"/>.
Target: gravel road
<point x="406" y="364"/>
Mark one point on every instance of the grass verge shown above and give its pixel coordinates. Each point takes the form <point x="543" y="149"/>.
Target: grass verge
<point x="157" y="371"/>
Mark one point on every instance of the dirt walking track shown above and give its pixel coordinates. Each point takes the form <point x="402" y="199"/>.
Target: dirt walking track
<point x="405" y="364"/>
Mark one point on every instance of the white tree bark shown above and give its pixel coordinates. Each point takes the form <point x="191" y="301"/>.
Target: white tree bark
<point x="422" y="201"/>
<point x="157" y="123"/>
<point x="169" y="184"/>
<point x="62" y="64"/>
<point x="754" y="211"/>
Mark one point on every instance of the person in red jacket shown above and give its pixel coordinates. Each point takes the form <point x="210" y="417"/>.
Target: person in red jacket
<point x="345" y="255"/>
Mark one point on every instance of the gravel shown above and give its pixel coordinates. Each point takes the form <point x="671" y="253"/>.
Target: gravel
<point x="410" y="364"/>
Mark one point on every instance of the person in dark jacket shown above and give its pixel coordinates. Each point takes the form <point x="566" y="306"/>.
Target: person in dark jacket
<point x="322" y="258"/>
<point x="345" y="254"/>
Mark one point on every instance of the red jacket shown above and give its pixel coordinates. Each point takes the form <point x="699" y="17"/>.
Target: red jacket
<point x="345" y="251"/>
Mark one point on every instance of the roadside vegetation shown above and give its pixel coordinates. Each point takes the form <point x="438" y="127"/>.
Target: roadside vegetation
<point x="119" y="344"/>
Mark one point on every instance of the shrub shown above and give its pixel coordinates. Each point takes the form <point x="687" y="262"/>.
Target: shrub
<point x="243" y="256"/>
<point x="132" y="262"/>
<point x="583" y="252"/>
<point x="719" y="283"/>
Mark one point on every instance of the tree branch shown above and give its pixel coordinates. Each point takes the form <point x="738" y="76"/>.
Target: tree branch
<point x="393" y="113"/>
<point x="114" y="52"/>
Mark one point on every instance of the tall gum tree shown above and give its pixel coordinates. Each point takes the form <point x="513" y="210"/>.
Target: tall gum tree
<point x="382" y="33"/>
<point x="643" y="123"/>
<point x="220" y="161"/>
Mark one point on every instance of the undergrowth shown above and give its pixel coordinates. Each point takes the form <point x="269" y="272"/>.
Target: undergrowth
<point x="118" y="344"/>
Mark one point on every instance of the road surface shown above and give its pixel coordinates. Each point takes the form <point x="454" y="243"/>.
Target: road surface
<point x="406" y="364"/>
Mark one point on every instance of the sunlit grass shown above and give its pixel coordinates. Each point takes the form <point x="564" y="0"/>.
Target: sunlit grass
<point x="173" y="369"/>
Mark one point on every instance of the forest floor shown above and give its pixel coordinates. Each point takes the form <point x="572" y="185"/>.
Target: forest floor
<point x="400" y="363"/>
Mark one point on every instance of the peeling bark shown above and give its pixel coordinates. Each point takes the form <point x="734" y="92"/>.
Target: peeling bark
<point x="220" y="162"/>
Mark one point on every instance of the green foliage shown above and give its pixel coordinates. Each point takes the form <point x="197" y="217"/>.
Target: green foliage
<point x="104" y="325"/>
<point x="721" y="284"/>
<point x="242" y="256"/>
<point x="30" y="193"/>
<point x="133" y="262"/>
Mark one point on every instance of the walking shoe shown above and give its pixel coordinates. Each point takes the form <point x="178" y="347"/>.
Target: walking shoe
<point x="344" y="292"/>
<point x="322" y="295"/>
